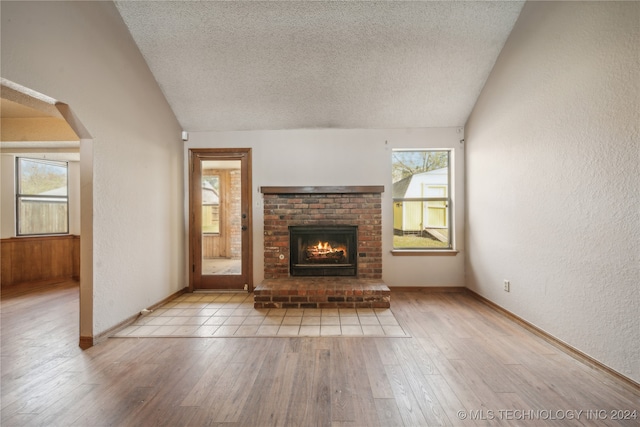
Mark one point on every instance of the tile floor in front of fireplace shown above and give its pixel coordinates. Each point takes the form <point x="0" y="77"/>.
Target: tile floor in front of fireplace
<point x="233" y="315"/>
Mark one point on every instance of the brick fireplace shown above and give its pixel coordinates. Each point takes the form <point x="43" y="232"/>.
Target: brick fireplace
<point x="322" y="206"/>
<point x="359" y="207"/>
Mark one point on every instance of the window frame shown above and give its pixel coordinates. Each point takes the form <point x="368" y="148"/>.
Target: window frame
<point x="449" y="205"/>
<point x="20" y="196"/>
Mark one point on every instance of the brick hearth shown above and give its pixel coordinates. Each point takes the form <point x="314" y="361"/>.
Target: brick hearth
<point x="322" y="292"/>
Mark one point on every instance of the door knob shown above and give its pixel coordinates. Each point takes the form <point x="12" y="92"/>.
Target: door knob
<point x="244" y="228"/>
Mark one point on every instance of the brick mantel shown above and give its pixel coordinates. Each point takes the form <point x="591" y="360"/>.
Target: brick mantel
<point x="359" y="206"/>
<point x="350" y="189"/>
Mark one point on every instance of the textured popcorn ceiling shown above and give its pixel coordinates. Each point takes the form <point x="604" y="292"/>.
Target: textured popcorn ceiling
<point x="285" y="65"/>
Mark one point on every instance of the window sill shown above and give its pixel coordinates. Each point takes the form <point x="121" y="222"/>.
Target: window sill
<point x="423" y="252"/>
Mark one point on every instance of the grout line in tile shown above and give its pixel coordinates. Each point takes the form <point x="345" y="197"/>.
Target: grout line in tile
<point x="223" y="315"/>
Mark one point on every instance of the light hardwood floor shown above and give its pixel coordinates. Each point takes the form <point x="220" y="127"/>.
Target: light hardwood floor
<point x="462" y="360"/>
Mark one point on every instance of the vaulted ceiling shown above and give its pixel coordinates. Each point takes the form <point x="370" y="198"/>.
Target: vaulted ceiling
<point x="307" y="64"/>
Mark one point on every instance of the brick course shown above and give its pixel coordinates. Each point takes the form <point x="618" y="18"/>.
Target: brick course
<point x="322" y="292"/>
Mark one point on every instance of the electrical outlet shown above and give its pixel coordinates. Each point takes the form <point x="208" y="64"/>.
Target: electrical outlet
<point x="507" y="286"/>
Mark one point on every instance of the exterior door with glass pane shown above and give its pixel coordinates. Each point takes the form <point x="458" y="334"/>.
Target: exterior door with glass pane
<point x="220" y="219"/>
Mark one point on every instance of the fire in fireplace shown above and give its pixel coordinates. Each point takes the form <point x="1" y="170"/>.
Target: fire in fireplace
<point x="323" y="250"/>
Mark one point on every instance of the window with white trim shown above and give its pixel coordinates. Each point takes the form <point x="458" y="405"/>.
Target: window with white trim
<point x="42" y="202"/>
<point x="421" y="194"/>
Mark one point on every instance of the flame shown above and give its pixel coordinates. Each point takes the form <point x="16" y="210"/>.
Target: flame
<point x="324" y="247"/>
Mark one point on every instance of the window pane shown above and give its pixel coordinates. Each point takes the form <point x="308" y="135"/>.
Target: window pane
<point x="42" y="178"/>
<point x="42" y="216"/>
<point x="211" y="204"/>
<point x="43" y="206"/>
<point x="210" y="218"/>
<point x="421" y="199"/>
<point x="418" y="224"/>
<point x="408" y="163"/>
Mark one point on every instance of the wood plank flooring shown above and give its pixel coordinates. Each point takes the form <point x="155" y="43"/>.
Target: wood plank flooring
<point x="464" y="365"/>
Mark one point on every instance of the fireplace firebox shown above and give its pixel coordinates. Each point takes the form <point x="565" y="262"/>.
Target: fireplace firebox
<point x="323" y="250"/>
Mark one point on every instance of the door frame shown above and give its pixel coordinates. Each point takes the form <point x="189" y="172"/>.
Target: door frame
<point x="195" y="235"/>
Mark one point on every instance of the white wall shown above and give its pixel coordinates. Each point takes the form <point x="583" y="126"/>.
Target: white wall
<point x="8" y="200"/>
<point x="346" y="157"/>
<point x="82" y="54"/>
<point x="553" y="188"/>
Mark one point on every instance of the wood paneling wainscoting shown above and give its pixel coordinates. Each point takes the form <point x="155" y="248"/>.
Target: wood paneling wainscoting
<point x="38" y="259"/>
